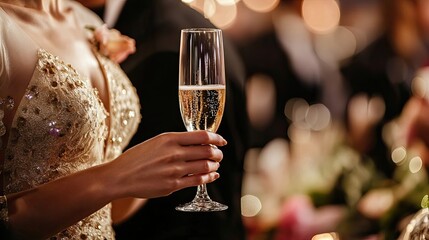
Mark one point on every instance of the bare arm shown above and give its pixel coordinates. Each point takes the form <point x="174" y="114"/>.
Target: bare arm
<point x="123" y="209"/>
<point x="157" y="167"/>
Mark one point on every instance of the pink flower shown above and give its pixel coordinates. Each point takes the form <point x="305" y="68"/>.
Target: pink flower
<point x="300" y="220"/>
<point x="112" y="44"/>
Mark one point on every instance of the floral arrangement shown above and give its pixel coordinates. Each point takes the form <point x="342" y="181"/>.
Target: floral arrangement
<point x="111" y="43"/>
<point x="332" y="187"/>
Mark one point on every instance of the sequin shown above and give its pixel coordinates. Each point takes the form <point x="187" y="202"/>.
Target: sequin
<point x="2" y="128"/>
<point x="54" y="130"/>
<point x="10" y="103"/>
<point x="21" y="122"/>
<point x="131" y="114"/>
<point x="32" y="92"/>
<point x="64" y="120"/>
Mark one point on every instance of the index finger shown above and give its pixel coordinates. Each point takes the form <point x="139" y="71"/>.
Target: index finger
<point x="201" y="137"/>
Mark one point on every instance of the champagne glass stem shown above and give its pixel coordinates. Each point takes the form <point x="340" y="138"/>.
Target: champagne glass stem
<point x="202" y="192"/>
<point x="202" y="203"/>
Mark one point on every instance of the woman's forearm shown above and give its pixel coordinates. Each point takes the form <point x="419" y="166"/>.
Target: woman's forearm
<point x="49" y="208"/>
<point x="123" y="209"/>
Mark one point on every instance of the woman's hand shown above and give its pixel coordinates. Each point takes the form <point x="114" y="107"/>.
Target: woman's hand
<point x="167" y="163"/>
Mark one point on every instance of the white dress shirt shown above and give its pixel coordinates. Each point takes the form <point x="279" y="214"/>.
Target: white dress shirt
<point x="112" y="11"/>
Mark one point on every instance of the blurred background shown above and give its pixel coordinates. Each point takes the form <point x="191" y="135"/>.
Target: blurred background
<point x="326" y="84"/>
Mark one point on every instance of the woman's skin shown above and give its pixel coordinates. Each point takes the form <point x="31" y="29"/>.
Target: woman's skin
<point x="156" y="167"/>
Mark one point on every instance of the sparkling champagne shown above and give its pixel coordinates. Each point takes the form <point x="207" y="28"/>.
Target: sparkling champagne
<point x="202" y="106"/>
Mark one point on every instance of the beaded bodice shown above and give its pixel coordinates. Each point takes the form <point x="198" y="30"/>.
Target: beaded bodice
<point x="60" y="128"/>
<point x="60" y="125"/>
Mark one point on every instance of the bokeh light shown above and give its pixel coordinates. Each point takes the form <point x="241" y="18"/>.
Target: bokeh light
<point x="261" y="96"/>
<point x="250" y="205"/>
<point x="376" y="202"/>
<point x="326" y="236"/>
<point x="227" y="2"/>
<point x="420" y="85"/>
<point x="415" y="164"/>
<point x="321" y="16"/>
<point x="261" y="5"/>
<point x="224" y="15"/>
<point x="318" y="117"/>
<point x="298" y="134"/>
<point x="209" y="8"/>
<point x="337" y="45"/>
<point x="274" y="156"/>
<point x="197" y="5"/>
<point x="398" y="155"/>
<point x="376" y="107"/>
<point x="296" y="109"/>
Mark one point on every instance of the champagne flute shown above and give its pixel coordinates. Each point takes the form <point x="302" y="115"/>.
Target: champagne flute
<point x="201" y="94"/>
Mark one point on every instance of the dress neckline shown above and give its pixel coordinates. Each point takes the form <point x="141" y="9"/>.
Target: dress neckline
<point x="106" y="109"/>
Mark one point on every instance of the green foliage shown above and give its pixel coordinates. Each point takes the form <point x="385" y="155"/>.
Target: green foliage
<point x="425" y="201"/>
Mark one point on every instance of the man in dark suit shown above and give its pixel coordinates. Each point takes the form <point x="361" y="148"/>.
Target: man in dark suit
<point x="153" y="69"/>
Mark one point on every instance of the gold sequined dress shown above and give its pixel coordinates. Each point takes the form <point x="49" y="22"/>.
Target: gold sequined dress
<point x="60" y="128"/>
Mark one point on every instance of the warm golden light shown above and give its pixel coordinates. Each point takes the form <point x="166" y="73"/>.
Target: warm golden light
<point x="261" y="97"/>
<point x="399" y="154"/>
<point x="261" y="5"/>
<point x="318" y="117"/>
<point x="326" y="236"/>
<point x="227" y="2"/>
<point x="298" y="134"/>
<point x="375" y="203"/>
<point x="250" y="205"/>
<point x="209" y="8"/>
<point x="296" y="109"/>
<point x="321" y="16"/>
<point x="415" y="165"/>
<point x="337" y="45"/>
<point x="187" y="1"/>
<point x="420" y="86"/>
<point x="224" y="15"/>
<point x="376" y="108"/>
<point x="197" y="5"/>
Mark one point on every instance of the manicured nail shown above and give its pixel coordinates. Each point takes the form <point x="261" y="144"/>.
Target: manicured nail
<point x="224" y="142"/>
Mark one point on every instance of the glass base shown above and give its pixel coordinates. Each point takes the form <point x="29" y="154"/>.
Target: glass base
<point x="202" y="205"/>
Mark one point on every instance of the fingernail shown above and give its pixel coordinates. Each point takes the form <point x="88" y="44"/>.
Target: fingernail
<point x="217" y="175"/>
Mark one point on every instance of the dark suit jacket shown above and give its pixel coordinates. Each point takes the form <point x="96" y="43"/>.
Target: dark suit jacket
<point x="379" y="71"/>
<point x="153" y="69"/>
<point x="265" y="55"/>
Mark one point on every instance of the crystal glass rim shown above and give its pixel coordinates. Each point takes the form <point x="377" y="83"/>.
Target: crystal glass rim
<point x="189" y="30"/>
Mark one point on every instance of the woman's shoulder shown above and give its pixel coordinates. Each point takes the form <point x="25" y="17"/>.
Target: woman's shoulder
<point x="84" y="15"/>
<point x="3" y="54"/>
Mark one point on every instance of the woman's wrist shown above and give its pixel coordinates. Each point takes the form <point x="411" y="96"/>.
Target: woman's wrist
<point x="108" y="183"/>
